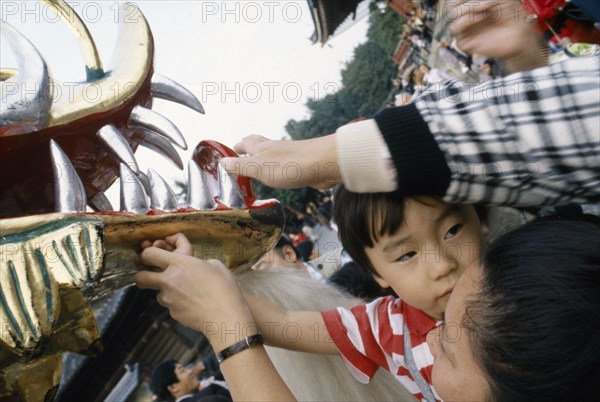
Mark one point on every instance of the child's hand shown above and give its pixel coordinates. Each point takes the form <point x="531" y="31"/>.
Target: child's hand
<point x="176" y="243"/>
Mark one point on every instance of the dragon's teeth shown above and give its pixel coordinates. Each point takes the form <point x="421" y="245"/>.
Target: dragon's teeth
<point x="133" y="197"/>
<point x="69" y="194"/>
<point x="161" y="195"/>
<point x="165" y="88"/>
<point x="229" y="191"/>
<point x="145" y="181"/>
<point x="199" y="194"/>
<point x="117" y="146"/>
<point x="100" y="203"/>
<point x="150" y="120"/>
<point x="159" y="144"/>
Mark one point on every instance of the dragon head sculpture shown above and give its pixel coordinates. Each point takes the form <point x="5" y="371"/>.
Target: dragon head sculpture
<point x="62" y="244"/>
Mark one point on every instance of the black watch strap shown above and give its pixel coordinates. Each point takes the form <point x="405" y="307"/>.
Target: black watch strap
<point x="247" y="343"/>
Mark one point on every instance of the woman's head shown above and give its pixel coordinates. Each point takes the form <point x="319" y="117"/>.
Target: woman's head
<point x="526" y="326"/>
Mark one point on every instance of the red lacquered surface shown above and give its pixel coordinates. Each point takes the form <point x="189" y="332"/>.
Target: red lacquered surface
<point x="207" y="155"/>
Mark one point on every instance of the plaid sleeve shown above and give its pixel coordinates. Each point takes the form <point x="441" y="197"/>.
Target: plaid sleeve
<point x="528" y="139"/>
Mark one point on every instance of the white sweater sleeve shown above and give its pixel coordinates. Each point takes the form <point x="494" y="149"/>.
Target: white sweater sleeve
<point x="364" y="159"/>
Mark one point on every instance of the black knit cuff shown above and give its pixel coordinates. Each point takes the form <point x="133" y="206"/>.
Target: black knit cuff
<point x="419" y="162"/>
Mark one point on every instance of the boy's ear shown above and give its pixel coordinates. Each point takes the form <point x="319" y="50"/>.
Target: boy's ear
<point x="380" y="281"/>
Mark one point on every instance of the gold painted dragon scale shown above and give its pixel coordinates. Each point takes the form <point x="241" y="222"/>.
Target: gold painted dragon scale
<point x="62" y="244"/>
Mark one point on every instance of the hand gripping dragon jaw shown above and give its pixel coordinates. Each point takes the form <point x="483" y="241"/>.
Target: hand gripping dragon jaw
<point x="52" y="264"/>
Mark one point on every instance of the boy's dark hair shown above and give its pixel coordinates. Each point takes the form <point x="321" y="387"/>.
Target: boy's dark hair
<point x="535" y="324"/>
<point x="163" y="375"/>
<point x="362" y="218"/>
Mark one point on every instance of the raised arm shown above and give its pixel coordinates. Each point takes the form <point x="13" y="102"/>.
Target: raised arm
<point x="527" y="139"/>
<point x="302" y="331"/>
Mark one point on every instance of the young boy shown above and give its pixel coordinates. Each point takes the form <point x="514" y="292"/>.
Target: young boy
<point x="417" y="246"/>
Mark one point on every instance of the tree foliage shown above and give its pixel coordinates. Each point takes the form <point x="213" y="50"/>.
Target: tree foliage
<point x="366" y="80"/>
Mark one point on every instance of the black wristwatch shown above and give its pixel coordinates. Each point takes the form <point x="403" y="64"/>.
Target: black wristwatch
<point x="247" y="343"/>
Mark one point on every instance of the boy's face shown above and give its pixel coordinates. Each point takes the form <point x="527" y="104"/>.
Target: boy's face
<point x="423" y="260"/>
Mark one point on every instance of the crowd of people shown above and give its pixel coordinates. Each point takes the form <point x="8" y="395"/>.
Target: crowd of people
<point x="514" y="320"/>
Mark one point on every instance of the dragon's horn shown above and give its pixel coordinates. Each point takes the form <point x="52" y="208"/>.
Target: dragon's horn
<point x="26" y="97"/>
<point x="148" y="119"/>
<point x="165" y="88"/>
<point x="159" y="144"/>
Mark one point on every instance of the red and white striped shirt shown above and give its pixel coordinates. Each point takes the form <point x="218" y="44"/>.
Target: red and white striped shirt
<point x="371" y="335"/>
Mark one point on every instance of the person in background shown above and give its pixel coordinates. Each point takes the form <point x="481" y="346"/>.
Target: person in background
<point x="487" y="72"/>
<point x="172" y="382"/>
<point x="208" y="372"/>
<point x="285" y="254"/>
<point x="432" y="76"/>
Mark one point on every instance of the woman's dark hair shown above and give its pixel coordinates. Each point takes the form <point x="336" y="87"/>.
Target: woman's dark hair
<point x="352" y="279"/>
<point x="304" y="250"/>
<point x="535" y="325"/>
<point x="362" y="218"/>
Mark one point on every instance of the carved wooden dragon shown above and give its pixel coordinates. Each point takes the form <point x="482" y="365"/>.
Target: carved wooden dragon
<point x="58" y="157"/>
